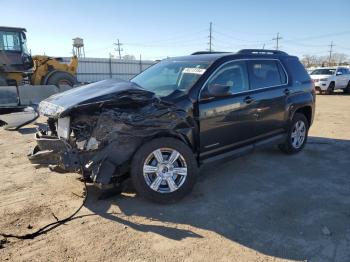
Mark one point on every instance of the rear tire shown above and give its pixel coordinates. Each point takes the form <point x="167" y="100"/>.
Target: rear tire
<point x="330" y="88"/>
<point x="346" y="90"/>
<point x="156" y="177"/>
<point x="296" y="136"/>
<point x="61" y="78"/>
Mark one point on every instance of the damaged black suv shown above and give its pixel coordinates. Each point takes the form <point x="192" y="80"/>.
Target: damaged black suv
<point x="162" y="125"/>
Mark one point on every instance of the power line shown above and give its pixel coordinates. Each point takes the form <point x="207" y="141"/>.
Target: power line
<point x="194" y="40"/>
<point x="227" y="40"/>
<point x="178" y="38"/>
<point x="277" y="38"/>
<point x="240" y="39"/>
<point x="320" y="36"/>
<point x="285" y="41"/>
<point x="118" y="49"/>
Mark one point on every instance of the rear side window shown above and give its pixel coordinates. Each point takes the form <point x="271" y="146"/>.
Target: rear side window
<point x="297" y="71"/>
<point x="344" y="71"/>
<point x="265" y="73"/>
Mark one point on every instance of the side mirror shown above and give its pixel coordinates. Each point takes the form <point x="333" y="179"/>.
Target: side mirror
<point x="339" y="73"/>
<point x="24" y="36"/>
<point x="216" y="90"/>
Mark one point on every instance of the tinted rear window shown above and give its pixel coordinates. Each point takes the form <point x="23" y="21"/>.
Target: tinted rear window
<point x="297" y="70"/>
<point x="265" y="73"/>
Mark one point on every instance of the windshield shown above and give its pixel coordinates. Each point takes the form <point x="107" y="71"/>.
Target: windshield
<point x="169" y="76"/>
<point x="10" y="41"/>
<point x="323" y="71"/>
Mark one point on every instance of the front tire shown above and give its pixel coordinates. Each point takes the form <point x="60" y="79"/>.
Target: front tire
<point x="164" y="170"/>
<point x="296" y="136"/>
<point x="346" y="90"/>
<point x="330" y="88"/>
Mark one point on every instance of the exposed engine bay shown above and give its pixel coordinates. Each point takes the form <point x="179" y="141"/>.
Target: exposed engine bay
<point x="98" y="136"/>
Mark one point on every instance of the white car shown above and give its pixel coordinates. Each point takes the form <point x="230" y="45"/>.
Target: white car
<point x="328" y="79"/>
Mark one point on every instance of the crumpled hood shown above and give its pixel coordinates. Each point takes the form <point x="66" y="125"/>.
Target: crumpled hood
<point x="105" y="91"/>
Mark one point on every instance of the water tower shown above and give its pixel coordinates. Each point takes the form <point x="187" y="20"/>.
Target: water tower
<point x="78" y="47"/>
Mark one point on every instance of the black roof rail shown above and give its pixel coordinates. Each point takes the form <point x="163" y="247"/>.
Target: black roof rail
<point x="261" y="51"/>
<point x="208" y="52"/>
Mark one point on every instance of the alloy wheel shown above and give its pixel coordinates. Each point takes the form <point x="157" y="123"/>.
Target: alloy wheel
<point x="298" y="134"/>
<point x="165" y="170"/>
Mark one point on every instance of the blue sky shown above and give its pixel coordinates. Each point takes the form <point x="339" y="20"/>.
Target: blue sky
<point x="156" y="29"/>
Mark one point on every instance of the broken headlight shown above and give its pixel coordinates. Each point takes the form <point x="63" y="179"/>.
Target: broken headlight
<point x="63" y="127"/>
<point x="49" y="109"/>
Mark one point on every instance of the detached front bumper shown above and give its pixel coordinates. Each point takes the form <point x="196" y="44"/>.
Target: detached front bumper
<point x="54" y="151"/>
<point x="103" y="167"/>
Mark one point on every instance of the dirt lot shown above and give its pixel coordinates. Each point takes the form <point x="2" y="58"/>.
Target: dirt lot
<point x="262" y="207"/>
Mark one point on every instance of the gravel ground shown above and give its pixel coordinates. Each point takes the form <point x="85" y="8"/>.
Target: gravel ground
<point x="265" y="206"/>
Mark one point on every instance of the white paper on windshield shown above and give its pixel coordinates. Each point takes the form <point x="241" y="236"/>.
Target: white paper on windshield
<point x="189" y="70"/>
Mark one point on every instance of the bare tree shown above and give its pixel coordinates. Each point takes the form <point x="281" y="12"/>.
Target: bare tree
<point x="339" y="58"/>
<point x="311" y="60"/>
<point x="314" y="61"/>
<point x="306" y="60"/>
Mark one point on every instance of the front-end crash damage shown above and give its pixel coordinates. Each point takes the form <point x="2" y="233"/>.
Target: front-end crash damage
<point x="98" y="136"/>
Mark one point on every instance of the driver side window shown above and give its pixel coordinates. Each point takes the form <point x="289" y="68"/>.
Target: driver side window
<point x="234" y="75"/>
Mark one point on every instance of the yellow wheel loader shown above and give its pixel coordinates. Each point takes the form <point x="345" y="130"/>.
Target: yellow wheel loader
<point x="25" y="80"/>
<point x="18" y="67"/>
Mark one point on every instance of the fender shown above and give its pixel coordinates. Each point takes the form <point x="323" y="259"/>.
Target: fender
<point x="298" y="100"/>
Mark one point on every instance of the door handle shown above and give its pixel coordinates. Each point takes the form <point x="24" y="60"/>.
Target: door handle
<point x="248" y="99"/>
<point x="286" y="91"/>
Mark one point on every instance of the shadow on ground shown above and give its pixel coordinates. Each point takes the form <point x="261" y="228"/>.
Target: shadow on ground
<point x="276" y="204"/>
<point x="31" y="130"/>
<point x="338" y="92"/>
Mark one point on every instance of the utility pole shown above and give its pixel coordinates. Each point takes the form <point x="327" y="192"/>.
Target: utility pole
<point x="330" y="52"/>
<point x="277" y="38"/>
<point x="210" y="37"/>
<point x="118" y="49"/>
<point x="263" y="46"/>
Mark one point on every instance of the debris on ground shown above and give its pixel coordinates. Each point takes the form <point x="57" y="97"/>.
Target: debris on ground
<point x="3" y="241"/>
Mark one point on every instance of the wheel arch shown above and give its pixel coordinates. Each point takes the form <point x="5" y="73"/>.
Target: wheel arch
<point x="306" y="111"/>
<point x="176" y="135"/>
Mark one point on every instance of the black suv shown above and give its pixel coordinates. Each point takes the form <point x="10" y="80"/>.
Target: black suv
<point x="182" y="112"/>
